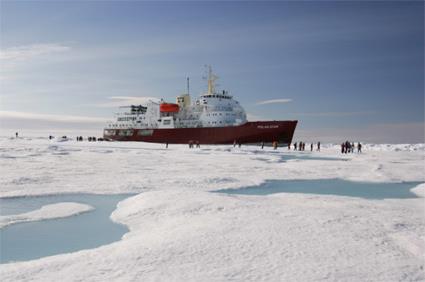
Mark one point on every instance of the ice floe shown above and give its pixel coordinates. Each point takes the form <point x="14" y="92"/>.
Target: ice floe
<point x="52" y="211"/>
<point x="180" y="231"/>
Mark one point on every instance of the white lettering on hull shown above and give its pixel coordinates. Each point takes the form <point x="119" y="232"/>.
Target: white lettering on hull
<point x="267" y="126"/>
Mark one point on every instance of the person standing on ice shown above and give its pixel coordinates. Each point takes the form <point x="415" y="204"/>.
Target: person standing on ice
<point x="347" y="147"/>
<point x="311" y="147"/>
<point x="359" y="148"/>
<point x="318" y="146"/>
<point x="16" y="134"/>
<point x="295" y="146"/>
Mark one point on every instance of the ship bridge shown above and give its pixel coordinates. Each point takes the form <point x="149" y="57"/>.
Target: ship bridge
<point x="219" y="108"/>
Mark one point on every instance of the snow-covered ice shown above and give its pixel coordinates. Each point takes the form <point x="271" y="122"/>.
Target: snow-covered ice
<point x="180" y="231"/>
<point x="52" y="211"/>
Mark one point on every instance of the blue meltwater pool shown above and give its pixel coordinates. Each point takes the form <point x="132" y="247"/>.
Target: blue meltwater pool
<point x="366" y="190"/>
<point x="32" y="240"/>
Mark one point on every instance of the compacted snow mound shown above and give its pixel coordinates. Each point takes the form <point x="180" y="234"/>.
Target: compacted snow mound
<point x="52" y="211"/>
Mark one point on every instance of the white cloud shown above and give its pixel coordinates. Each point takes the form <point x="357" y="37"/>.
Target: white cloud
<point x="47" y="117"/>
<point x="25" y="52"/>
<point x="119" y="101"/>
<point x="274" y="101"/>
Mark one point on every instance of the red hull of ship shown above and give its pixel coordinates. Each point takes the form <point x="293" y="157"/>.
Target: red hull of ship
<point x="250" y="132"/>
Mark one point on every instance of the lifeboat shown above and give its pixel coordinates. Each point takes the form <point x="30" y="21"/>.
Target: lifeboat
<point x="168" y="108"/>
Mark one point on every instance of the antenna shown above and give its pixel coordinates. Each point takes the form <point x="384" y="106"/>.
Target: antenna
<point x="188" y="86"/>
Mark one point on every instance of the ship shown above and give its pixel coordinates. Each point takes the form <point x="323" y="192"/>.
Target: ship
<point x="213" y="118"/>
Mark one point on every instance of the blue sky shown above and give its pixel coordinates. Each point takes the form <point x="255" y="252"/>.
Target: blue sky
<point x="343" y="69"/>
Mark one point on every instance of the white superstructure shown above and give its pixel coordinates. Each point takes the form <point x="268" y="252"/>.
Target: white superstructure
<point x="212" y="109"/>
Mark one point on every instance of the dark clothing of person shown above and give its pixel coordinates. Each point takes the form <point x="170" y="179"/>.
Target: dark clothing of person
<point x="347" y="147"/>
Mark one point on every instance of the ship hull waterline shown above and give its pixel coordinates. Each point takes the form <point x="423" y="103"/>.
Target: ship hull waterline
<point x="250" y="132"/>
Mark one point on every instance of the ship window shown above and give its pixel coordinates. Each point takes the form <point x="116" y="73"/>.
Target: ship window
<point x="128" y="132"/>
<point x="109" y="132"/>
<point x="167" y="122"/>
<point x="145" y="132"/>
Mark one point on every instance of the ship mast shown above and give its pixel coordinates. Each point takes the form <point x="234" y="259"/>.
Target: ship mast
<point x="211" y="81"/>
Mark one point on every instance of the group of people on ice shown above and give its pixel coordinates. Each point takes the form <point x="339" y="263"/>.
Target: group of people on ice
<point x="90" y="139"/>
<point x="301" y="146"/>
<point x="192" y="144"/>
<point x="347" y="147"/>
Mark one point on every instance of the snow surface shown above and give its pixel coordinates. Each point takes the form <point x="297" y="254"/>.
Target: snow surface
<point x="52" y="211"/>
<point x="179" y="231"/>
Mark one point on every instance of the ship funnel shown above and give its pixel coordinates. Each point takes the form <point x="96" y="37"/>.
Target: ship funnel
<point x="183" y="100"/>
